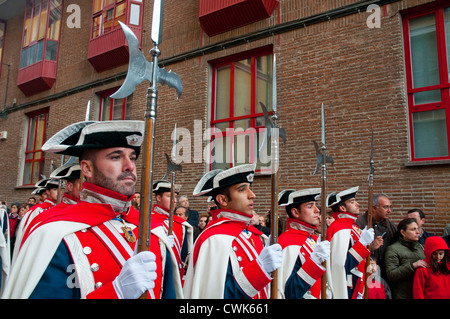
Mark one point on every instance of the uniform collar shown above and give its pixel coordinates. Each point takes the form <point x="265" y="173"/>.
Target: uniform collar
<point x="158" y="209"/>
<point x="299" y="225"/>
<point x="98" y="195"/>
<point x="345" y="215"/>
<point x="67" y="199"/>
<point x="232" y="215"/>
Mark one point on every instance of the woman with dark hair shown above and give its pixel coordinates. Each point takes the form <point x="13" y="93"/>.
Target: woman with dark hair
<point x="403" y="258"/>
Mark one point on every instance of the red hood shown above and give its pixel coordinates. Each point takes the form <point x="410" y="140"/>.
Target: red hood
<point x="432" y="244"/>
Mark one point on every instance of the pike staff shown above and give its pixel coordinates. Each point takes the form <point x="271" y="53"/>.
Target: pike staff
<point x="321" y="161"/>
<point x="369" y="215"/>
<point x="139" y="69"/>
<point x="274" y="176"/>
<point x="171" y="169"/>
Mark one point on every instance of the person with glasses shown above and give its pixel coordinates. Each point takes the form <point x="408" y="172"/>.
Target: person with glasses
<point x="384" y="229"/>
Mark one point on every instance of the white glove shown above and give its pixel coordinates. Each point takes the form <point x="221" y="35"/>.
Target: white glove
<point x="321" y="252"/>
<point x="270" y="258"/>
<point x="171" y="240"/>
<point x="367" y="236"/>
<point x="138" y="275"/>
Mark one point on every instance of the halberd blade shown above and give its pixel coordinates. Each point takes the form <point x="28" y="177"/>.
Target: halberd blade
<point x="139" y="69"/>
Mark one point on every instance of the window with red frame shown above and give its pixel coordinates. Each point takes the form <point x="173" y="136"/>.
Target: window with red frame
<point x="34" y="156"/>
<point x="239" y="84"/>
<point x="427" y="48"/>
<point x="107" y="14"/>
<point x="41" y="31"/>
<point x="114" y="109"/>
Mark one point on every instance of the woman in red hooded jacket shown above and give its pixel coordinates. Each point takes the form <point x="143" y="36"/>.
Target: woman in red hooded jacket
<point x="433" y="282"/>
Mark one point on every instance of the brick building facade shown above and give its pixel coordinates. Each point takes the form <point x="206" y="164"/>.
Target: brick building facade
<point x="353" y="58"/>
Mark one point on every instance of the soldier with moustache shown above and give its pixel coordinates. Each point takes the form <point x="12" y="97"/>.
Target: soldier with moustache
<point x="87" y="249"/>
<point x="182" y="232"/>
<point x="229" y="259"/>
<point x="346" y="265"/>
<point x="299" y="277"/>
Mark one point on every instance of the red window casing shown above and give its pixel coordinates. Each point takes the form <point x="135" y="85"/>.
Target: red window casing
<point x="254" y="117"/>
<point x="108" y="46"/>
<point x="429" y="119"/>
<point x="223" y="15"/>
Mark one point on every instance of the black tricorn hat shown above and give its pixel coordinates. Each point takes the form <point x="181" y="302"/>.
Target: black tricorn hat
<point x="79" y="137"/>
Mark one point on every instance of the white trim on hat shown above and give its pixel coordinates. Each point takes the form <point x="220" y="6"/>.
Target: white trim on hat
<point x="302" y="193"/>
<point x="198" y="188"/>
<point x="53" y="144"/>
<point x="71" y="167"/>
<point x="233" y="171"/>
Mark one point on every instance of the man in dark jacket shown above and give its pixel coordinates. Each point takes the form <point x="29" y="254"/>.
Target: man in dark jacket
<point x="384" y="228"/>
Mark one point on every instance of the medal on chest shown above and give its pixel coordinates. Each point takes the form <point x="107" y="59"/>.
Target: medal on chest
<point x="128" y="233"/>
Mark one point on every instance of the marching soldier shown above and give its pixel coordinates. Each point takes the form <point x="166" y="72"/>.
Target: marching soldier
<point x="229" y="259"/>
<point x="70" y="173"/>
<point x="87" y="249"/>
<point x="299" y="276"/>
<point x="346" y="265"/>
<point x="182" y="232"/>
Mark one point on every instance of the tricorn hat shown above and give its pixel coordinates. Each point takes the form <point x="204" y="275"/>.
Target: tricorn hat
<point x="79" y="137"/>
<point x="333" y="198"/>
<point x="302" y="196"/>
<point x="67" y="172"/>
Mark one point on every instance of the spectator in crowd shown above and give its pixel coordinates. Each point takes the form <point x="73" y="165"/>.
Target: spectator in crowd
<point x="433" y="282"/>
<point x="403" y="257"/>
<point x="193" y="214"/>
<point x="419" y="215"/>
<point x="383" y="227"/>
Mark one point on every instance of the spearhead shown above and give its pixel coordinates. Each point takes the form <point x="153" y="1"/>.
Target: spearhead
<point x="323" y="126"/>
<point x="274" y="84"/>
<point x="157" y="21"/>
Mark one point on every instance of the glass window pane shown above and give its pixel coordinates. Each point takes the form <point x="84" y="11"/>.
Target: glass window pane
<point x="120" y="14"/>
<point x="39" y="50"/>
<point x="242" y="124"/>
<point x="54" y="20"/>
<point x="134" y="14"/>
<point x="447" y="37"/>
<point x="43" y="20"/>
<point x="430" y="134"/>
<point x="40" y="131"/>
<point x="241" y="149"/>
<point x="117" y="109"/>
<point x="106" y="108"/>
<point x="424" y="53"/>
<point x="264" y="82"/>
<point x="242" y="88"/>
<point x="108" y="18"/>
<point x="220" y="153"/>
<point x="27" y="26"/>
<point x="223" y="93"/>
<point x="107" y="3"/>
<point x="427" y="97"/>
<point x="128" y="107"/>
<point x="31" y="54"/>
<point x="27" y="174"/>
<point x="50" y="53"/>
<point x="97" y="5"/>
<point x="23" y="58"/>
<point x="96" y="26"/>
<point x="35" y="23"/>
<point x="36" y="171"/>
